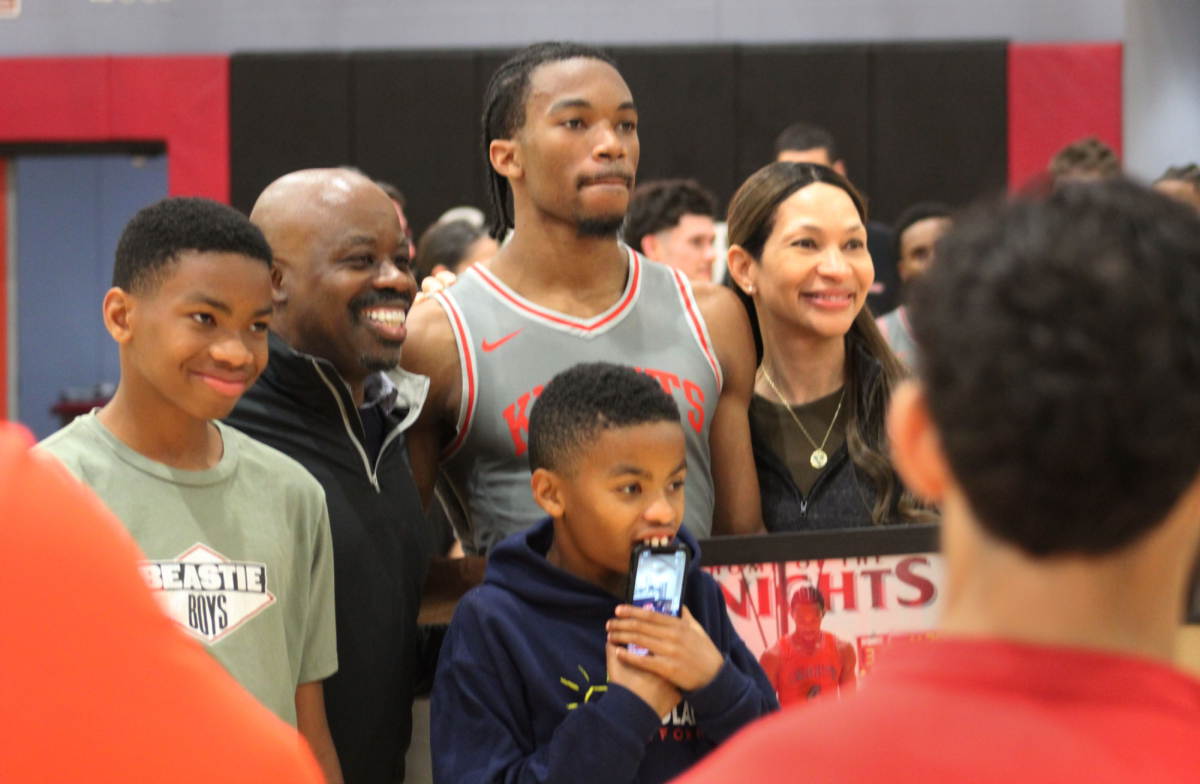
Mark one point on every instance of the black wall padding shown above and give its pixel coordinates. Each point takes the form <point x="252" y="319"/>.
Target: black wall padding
<point x="827" y="86"/>
<point x="286" y="112"/>
<point x="914" y="122"/>
<point x="940" y="124"/>
<point x="686" y="101"/>
<point x="416" y="125"/>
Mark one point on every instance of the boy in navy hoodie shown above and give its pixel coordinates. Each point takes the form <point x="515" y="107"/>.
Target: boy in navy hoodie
<point x="535" y="681"/>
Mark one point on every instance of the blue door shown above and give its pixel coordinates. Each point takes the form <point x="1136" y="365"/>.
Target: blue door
<point x="70" y="210"/>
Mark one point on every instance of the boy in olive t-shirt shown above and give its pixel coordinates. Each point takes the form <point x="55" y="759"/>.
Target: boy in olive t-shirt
<point x="235" y="534"/>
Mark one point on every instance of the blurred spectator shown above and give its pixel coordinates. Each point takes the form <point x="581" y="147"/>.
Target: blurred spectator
<point x="671" y="221"/>
<point x="398" y="199"/>
<point x="916" y="232"/>
<point x="798" y="253"/>
<point x="472" y="215"/>
<point x="1087" y="160"/>
<point x="804" y="143"/>
<point x="1181" y="182"/>
<point x="100" y="684"/>
<point x="452" y="247"/>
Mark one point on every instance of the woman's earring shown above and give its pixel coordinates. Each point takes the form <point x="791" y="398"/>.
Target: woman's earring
<point x="750" y="289"/>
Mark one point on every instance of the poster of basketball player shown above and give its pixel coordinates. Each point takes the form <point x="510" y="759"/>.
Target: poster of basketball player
<point x="818" y="626"/>
<point x="809" y="662"/>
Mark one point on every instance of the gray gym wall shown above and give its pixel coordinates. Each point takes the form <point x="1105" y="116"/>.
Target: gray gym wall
<point x="1162" y="85"/>
<point x="188" y="26"/>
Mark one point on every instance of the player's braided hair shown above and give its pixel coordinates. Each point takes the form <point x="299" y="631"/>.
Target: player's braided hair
<point x="504" y="112"/>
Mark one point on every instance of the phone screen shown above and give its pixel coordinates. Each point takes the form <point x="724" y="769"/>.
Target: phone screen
<point x="658" y="584"/>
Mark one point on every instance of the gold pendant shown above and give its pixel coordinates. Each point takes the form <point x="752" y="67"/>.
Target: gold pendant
<point x="819" y="458"/>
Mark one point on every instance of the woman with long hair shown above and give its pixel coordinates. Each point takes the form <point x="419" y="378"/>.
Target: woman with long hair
<point x="798" y="257"/>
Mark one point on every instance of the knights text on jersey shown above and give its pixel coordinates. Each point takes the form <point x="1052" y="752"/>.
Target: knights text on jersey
<point x="509" y="347"/>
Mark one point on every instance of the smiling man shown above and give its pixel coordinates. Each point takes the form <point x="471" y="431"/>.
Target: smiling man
<point x="236" y="535"/>
<point x="561" y="135"/>
<point x="342" y="288"/>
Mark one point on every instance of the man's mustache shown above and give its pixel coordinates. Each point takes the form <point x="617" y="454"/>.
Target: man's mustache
<point x="373" y="299"/>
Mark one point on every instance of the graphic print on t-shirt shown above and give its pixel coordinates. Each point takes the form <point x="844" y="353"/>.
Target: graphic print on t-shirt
<point x="206" y="593"/>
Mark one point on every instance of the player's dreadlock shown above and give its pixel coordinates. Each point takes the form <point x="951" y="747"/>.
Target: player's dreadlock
<point x="504" y="112"/>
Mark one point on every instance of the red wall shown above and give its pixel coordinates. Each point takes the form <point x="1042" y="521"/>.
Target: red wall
<point x="1058" y="94"/>
<point x="182" y="101"/>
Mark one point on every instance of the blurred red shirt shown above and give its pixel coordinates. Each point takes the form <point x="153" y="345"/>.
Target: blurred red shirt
<point x="97" y="684"/>
<point x="985" y="712"/>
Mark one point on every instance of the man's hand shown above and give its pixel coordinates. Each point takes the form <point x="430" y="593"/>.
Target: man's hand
<point x="660" y="695"/>
<point x="680" y="650"/>
<point x="432" y="284"/>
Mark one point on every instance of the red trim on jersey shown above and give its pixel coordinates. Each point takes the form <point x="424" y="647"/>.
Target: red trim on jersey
<point x="557" y="318"/>
<point x="464" y="344"/>
<point x="697" y="324"/>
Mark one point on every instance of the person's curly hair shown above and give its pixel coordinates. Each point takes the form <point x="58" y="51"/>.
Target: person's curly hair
<point x="1060" y="353"/>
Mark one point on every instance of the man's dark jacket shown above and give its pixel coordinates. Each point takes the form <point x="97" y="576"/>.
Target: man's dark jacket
<point x="302" y="407"/>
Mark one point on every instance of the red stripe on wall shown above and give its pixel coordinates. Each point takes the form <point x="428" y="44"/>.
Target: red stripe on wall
<point x="1058" y="94"/>
<point x="182" y="101"/>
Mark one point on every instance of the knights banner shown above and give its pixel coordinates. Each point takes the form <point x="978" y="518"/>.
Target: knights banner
<point x="818" y="626"/>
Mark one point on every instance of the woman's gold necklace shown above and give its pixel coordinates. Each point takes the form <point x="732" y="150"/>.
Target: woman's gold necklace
<point x="818" y="459"/>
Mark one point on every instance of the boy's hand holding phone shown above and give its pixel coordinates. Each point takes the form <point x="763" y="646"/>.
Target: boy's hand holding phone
<point x="659" y="694"/>
<point x="680" y="651"/>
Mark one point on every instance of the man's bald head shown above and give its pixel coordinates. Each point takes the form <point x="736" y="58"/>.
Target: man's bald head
<point x="307" y="201"/>
<point x="342" y="279"/>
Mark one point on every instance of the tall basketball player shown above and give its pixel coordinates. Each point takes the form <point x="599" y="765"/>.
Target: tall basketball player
<point x="560" y="130"/>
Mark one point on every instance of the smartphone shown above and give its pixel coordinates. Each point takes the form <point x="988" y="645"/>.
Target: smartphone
<point x="656" y="578"/>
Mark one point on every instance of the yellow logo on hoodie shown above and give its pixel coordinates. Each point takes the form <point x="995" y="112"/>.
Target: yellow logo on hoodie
<point x="575" y="687"/>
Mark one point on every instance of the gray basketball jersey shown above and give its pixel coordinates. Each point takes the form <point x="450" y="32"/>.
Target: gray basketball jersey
<point x="508" y="349"/>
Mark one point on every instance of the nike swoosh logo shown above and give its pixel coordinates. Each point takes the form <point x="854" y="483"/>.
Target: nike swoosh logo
<point x="490" y="347"/>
